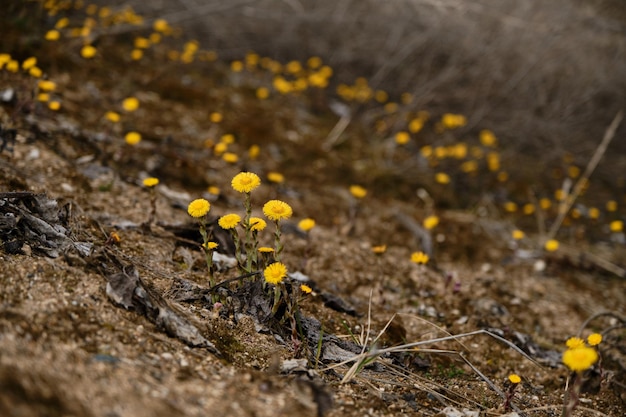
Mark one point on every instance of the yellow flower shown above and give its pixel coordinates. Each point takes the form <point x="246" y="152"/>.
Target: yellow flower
<point x="515" y="379"/>
<point x="43" y="97"/>
<point x="257" y="224"/>
<point x="266" y="249"/>
<point x="160" y="25"/>
<point x="216" y="117"/>
<point x="213" y="190"/>
<point x="275" y="273"/>
<point x="275" y="177"/>
<point x="419" y="258"/>
<point x="228" y="138"/>
<point x="230" y="157"/>
<point x="517" y="234"/>
<point x="357" y="191"/>
<point x="229" y="221"/>
<point x="430" y="222"/>
<point x="616" y="226"/>
<point x="594" y="339"/>
<point x="528" y="209"/>
<point x="452" y="121"/>
<point x="277" y="210"/>
<point x="54" y="105"/>
<point x="150" y="182"/>
<point x="580" y="359"/>
<point x="29" y="63"/>
<point x="136" y="54"/>
<point x="262" y="93"/>
<point x="551" y="245"/>
<point x="35" y="72"/>
<point x="380" y="249"/>
<point x="210" y="245"/>
<point x="510" y="207"/>
<point x="112" y="116"/>
<point x="487" y="138"/>
<point x="132" y="138"/>
<point x="574" y="343"/>
<point x="253" y="152"/>
<point x="245" y="182"/>
<point x="402" y="138"/>
<point x="130" y="104"/>
<point x="198" y="208"/>
<point x="88" y="52"/>
<point x="46" y="85"/>
<point x="442" y="178"/>
<point x="306" y="289"/>
<point x="611" y="205"/>
<point x="52" y="35"/>
<point x="594" y="213"/>
<point x="306" y="224"/>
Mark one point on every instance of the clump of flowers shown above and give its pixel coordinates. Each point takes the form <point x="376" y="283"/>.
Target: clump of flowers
<point x="579" y="357"/>
<point x="419" y="258"/>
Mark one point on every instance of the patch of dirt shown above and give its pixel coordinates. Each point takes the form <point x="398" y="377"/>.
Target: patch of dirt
<point x="67" y="350"/>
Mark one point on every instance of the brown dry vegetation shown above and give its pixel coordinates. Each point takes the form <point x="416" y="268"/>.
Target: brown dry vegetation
<point x="545" y="78"/>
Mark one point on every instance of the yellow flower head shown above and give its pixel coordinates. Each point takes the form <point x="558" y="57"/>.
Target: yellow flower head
<point x="150" y="182"/>
<point x="594" y="339"/>
<point x="419" y="258"/>
<point x="132" y="138"/>
<point x="574" y="343"/>
<point x="230" y="157"/>
<point x="130" y="104"/>
<point x="517" y="234"/>
<point x="229" y="221"/>
<point x="616" y="226"/>
<point x="112" y="116"/>
<point x="210" y="245"/>
<point x="442" y="178"/>
<point x="245" y="182"/>
<point x="29" y="63"/>
<point x="306" y="224"/>
<point x="216" y="117"/>
<point x="266" y="249"/>
<point x="275" y="177"/>
<point x="580" y="359"/>
<point x="88" y="52"/>
<point x="515" y="379"/>
<point x="257" y="224"/>
<point x="52" y="35"/>
<point x="54" y="105"/>
<point x="380" y="249"/>
<point x="430" y="222"/>
<point x="198" y="208"/>
<point x="306" y="289"/>
<point x="551" y="245"/>
<point x="402" y="138"/>
<point x="357" y="191"/>
<point x="277" y="210"/>
<point x="275" y="273"/>
<point x="46" y="85"/>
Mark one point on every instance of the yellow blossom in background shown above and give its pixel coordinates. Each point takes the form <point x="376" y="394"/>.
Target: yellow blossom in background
<point x="487" y="138"/>
<point x="594" y="213"/>
<point x="574" y="343"/>
<point x="236" y="66"/>
<point x="228" y="138"/>
<point x="545" y="203"/>
<point x="469" y="166"/>
<point x="419" y="258"/>
<point x="254" y="151"/>
<point x="213" y="190"/>
<point x="35" y="72"/>
<point x="88" y="51"/>
<point x="130" y="104"/>
<point x="210" y="245"/>
<point x="275" y="177"/>
<point x="517" y="234"/>
<point x="402" y="138"/>
<point x="198" y="208"/>
<point x="275" y="273"/>
<point x="306" y="289"/>
<point x="415" y="125"/>
<point x="245" y="182"/>
<point x="357" y="191"/>
<point x="442" y="178"/>
<point x="551" y="245"/>
<point x="493" y="161"/>
<point x="62" y="23"/>
<point x="528" y="209"/>
<point x="306" y="224"/>
<point x="510" y="207"/>
<point x="54" y="105"/>
<point x="514" y="379"/>
<point x="141" y="42"/>
<point x="430" y="222"/>
<point x="12" y="66"/>
<point x="580" y="359"/>
<point x="453" y="121"/>
<point x="112" y="116"/>
<point x="380" y="249"/>
<point x="262" y="93"/>
<point x="229" y="221"/>
<point x="220" y="148"/>
<point x="132" y="138"/>
<point x="265" y="249"/>
<point x="257" y="224"/>
<point x="573" y="171"/>
<point x="230" y="157"/>
<point x="559" y="195"/>
<point x="616" y="226"/>
<point x="46" y="85"/>
<point x="4" y="58"/>
<point x="43" y="97"/>
<point x="216" y="117"/>
<point x="594" y="339"/>
<point x="611" y="206"/>
<point x="150" y="182"/>
<point x="161" y="25"/>
<point x="52" y="35"/>
<point x="314" y="62"/>
<point x="503" y="176"/>
<point x="277" y="210"/>
<point x="136" y="54"/>
<point x="29" y="63"/>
